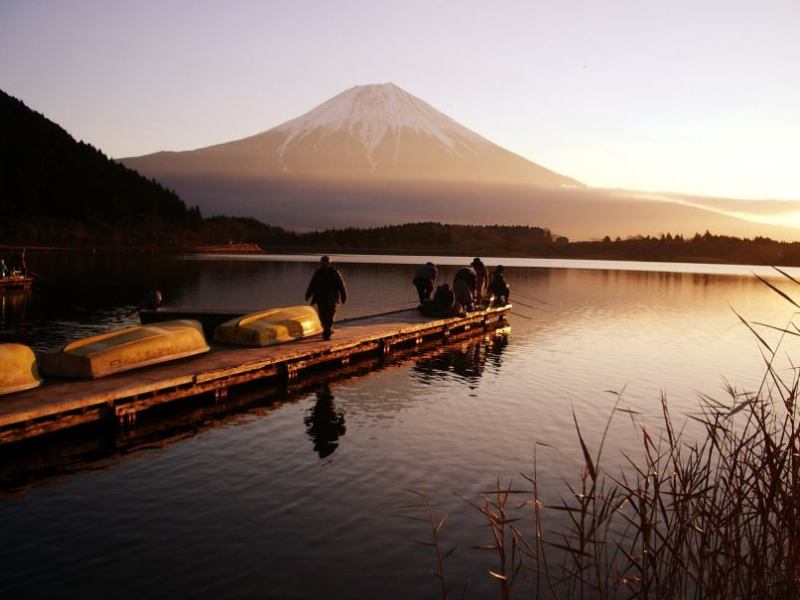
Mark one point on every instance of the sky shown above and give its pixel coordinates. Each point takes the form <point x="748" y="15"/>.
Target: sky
<point x="697" y="97"/>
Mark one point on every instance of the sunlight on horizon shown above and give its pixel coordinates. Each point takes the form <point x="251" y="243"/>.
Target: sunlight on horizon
<point x="791" y="219"/>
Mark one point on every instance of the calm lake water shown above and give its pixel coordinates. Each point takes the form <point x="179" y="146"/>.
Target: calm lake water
<point x="303" y="494"/>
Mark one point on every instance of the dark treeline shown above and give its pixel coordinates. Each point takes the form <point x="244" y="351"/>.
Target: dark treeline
<point x="442" y="239"/>
<point x="697" y="248"/>
<point x="504" y="240"/>
<point x="522" y="241"/>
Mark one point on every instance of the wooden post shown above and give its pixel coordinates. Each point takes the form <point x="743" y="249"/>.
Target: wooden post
<point x="125" y="417"/>
<point x="292" y="370"/>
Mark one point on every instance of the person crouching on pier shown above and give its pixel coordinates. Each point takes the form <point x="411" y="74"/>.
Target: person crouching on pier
<point x="326" y="290"/>
<point x="499" y="288"/>
<point x="424" y="280"/>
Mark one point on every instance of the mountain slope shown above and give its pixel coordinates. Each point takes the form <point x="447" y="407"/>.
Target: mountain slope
<point x="578" y="213"/>
<point x="45" y="173"/>
<point x="372" y="132"/>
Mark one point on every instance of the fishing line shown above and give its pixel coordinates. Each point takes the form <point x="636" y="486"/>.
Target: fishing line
<point x="518" y="293"/>
<point x="526" y="305"/>
<point x="516" y="314"/>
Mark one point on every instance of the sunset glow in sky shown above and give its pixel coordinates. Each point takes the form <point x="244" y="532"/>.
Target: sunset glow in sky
<point x="684" y="96"/>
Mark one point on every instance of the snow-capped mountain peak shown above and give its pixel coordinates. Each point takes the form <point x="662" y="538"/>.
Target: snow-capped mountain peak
<point x="369" y="112"/>
<point x="368" y="132"/>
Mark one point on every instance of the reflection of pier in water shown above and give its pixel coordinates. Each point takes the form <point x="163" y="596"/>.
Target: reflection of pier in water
<point x="13" y="306"/>
<point x="468" y="362"/>
<point x="35" y="462"/>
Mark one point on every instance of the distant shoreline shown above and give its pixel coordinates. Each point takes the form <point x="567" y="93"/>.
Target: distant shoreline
<point x="569" y="253"/>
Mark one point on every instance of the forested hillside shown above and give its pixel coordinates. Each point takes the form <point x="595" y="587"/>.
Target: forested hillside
<point x="54" y="188"/>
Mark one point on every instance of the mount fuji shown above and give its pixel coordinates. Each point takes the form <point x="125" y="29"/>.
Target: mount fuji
<point x="369" y="132"/>
<point x="376" y="155"/>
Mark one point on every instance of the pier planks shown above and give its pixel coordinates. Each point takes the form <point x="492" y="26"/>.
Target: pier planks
<point x="67" y="403"/>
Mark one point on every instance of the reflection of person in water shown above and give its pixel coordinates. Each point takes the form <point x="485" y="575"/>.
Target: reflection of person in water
<point x="323" y="424"/>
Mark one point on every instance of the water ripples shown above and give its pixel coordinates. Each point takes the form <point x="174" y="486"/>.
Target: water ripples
<point x="291" y="497"/>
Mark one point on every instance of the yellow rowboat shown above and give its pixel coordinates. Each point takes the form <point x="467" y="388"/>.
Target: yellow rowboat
<point x="17" y="369"/>
<point x="125" y="349"/>
<point x="269" y="327"/>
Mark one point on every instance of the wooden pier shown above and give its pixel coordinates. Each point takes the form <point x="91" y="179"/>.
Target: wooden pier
<point x="16" y="281"/>
<point x="119" y="398"/>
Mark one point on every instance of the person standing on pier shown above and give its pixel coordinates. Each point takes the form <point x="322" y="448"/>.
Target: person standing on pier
<point x="482" y="278"/>
<point x="424" y="280"/>
<point x="326" y="290"/>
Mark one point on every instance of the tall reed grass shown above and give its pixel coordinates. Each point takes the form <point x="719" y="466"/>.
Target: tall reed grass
<point x="715" y="515"/>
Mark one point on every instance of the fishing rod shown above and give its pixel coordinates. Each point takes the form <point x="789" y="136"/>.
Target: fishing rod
<point x="518" y="293"/>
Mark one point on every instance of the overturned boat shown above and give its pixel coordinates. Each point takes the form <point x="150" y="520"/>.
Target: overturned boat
<point x="126" y="349"/>
<point x="268" y="327"/>
<point x="17" y="369"/>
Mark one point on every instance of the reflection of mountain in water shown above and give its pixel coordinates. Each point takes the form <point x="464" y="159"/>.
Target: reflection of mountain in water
<point x="324" y="424"/>
<point x="467" y="363"/>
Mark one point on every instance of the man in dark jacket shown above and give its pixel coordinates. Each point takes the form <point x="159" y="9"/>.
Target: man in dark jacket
<point x="465" y="286"/>
<point x="444" y="302"/>
<point x="424" y="280"/>
<point x="326" y="290"/>
<point x="482" y="274"/>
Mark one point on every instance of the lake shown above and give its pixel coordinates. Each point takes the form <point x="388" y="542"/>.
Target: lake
<point x="304" y="494"/>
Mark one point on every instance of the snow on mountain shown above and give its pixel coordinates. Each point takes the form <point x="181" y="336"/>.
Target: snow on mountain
<point x="371" y="112"/>
<point x="372" y="132"/>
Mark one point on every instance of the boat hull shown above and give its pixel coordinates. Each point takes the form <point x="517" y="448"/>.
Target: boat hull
<point x="18" y="370"/>
<point x="126" y="349"/>
<point x="269" y="327"/>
